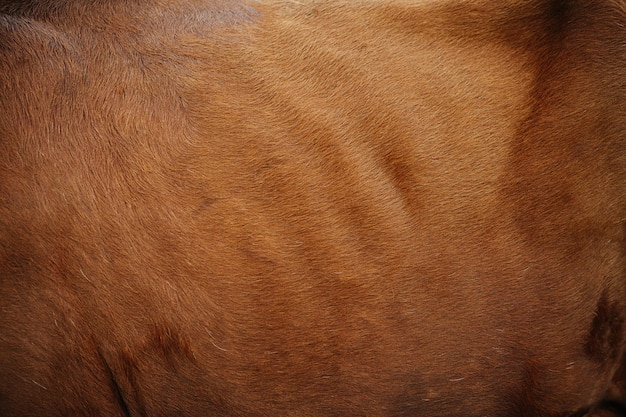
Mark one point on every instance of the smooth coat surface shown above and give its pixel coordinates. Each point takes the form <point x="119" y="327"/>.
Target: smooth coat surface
<point x="313" y="208"/>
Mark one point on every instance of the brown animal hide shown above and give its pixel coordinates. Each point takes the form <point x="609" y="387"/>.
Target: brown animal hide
<point x="313" y="208"/>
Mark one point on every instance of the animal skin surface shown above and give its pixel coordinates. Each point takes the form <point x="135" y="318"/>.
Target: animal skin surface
<point x="313" y="208"/>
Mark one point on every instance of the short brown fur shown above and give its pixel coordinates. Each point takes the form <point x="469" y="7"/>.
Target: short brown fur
<point x="313" y="208"/>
